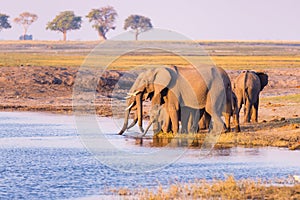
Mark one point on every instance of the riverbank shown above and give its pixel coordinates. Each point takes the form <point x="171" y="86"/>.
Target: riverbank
<point x="50" y="89"/>
<point x="40" y="76"/>
<point x="229" y="188"/>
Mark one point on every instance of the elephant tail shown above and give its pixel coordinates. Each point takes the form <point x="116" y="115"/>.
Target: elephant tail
<point x="245" y="92"/>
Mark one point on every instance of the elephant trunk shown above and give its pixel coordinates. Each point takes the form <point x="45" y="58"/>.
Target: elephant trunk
<point x="140" y="111"/>
<point x="149" y="125"/>
<point x="125" y="121"/>
<point x="133" y="123"/>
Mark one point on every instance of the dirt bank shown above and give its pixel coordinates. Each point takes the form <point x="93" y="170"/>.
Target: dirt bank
<point x="30" y="88"/>
<point x="50" y="88"/>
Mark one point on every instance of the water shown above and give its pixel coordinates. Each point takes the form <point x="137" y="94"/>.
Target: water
<point x="42" y="157"/>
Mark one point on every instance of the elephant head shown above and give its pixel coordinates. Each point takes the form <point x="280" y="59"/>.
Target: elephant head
<point x="264" y="79"/>
<point x="158" y="115"/>
<point x="149" y="84"/>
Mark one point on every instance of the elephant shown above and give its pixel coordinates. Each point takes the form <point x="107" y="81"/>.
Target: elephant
<point x="134" y="101"/>
<point x="182" y="88"/>
<point x="150" y="84"/>
<point x="158" y="117"/>
<point x="247" y="88"/>
<point x="206" y="118"/>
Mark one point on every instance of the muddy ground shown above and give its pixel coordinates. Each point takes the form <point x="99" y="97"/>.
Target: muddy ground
<point x="29" y="88"/>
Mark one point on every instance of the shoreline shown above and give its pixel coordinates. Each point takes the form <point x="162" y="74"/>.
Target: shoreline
<point x="50" y="89"/>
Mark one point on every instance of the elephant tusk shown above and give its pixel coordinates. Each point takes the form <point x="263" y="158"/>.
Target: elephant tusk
<point x="130" y="106"/>
<point x="133" y="94"/>
<point x="136" y="93"/>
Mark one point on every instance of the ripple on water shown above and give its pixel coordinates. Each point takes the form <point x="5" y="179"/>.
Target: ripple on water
<point x="53" y="164"/>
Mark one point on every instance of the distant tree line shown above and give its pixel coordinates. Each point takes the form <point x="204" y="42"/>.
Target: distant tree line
<point x="103" y="20"/>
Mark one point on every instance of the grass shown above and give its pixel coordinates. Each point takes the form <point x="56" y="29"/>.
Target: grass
<point x="131" y="61"/>
<point x="294" y="98"/>
<point x="229" y="55"/>
<point x="40" y="59"/>
<point x="230" y="188"/>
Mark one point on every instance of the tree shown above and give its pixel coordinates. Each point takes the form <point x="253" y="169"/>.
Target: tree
<point x="138" y="23"/>
<point x="4" y="24"/>
<point x="25" y="19"/>
<point x="104" y="20"/>
<point x="65" y="21"/>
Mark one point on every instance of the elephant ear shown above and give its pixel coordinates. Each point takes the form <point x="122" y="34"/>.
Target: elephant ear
<point x="263" y="79"/>
<point x="162" y="79"/>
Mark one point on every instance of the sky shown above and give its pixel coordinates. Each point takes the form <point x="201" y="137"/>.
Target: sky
<point x="195" y="19"/>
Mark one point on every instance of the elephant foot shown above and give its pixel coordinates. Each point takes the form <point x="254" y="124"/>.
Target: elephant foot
<point x="237" y="129"/>
<point x="141" y="129"/>
<point x="194" y="129"/>
<point x="226" y="130"/>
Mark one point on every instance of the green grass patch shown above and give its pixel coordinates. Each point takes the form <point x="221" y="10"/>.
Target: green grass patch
<point x="294" y="98"/>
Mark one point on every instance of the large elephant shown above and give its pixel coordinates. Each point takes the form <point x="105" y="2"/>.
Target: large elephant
<point x="183" y="88"/>
<point x="247" y="88"/>
<point x="134" y="103"/>
<point x="150" y="84"/>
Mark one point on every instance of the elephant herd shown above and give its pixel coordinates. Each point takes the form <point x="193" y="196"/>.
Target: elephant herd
<point x="187" y="99"/>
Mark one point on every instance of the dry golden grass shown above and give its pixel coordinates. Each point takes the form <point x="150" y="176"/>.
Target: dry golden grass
<point x="217" y="189"/>
<point x="132" y="61"/>
<point x="257" y="62"/>
<point x="226" y="54"/>
<point x="294" y="98"/>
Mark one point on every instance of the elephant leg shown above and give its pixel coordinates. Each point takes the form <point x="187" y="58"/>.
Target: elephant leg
<point x="227" y="122"/>
<point x="236" y="121"/>
<point x="236" y="116"/>
<point x="195" y="115"/>
<point x="174" y="120"/>
<point x="247" y="111"/>
<point x="185" y="116"/>
<point x="204" y="121"/>
<point x="254" y="117"/>
<point x="166" y="124"/>
<point x="214" y="109"/>
<point x="238" y="109"/>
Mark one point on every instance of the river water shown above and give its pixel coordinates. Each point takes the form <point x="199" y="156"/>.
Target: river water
<point x="43" y="157"/>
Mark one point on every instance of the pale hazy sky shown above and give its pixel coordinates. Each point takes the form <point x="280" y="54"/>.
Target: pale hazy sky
<point x="196" y="19"/>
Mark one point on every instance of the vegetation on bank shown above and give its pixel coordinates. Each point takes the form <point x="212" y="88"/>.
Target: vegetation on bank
<point x="229" y="188"/>
<point x="295" y="98"/>
<point x="229" y="55"/>
<point x="275" y="133"/>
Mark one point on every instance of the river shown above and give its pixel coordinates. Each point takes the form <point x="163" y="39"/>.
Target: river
<point x="43" y="157"/>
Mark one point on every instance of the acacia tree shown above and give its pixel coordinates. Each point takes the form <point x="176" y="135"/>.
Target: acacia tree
<point x="104" y="20"/>
<point x="138" y="23"/>
<point x="4" y="24"/>
<point x="25" y="19"/>
<point x="65" y="21"/>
